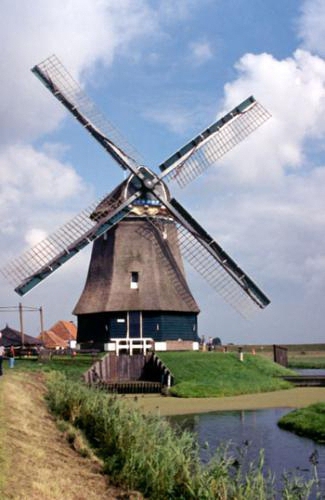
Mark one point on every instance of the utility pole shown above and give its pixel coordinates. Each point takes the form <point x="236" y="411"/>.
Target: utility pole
<point x="42" y="322"/>
<point x="21" y="320"/>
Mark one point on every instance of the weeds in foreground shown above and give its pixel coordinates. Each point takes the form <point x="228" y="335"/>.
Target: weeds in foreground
<point x="145" y="453"/>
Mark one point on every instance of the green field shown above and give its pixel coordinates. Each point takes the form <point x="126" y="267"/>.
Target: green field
<point x="215" y="374"/>
<point x="299" y="355"/>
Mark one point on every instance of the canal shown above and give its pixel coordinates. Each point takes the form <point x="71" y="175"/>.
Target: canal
<point x="256" y="430"/>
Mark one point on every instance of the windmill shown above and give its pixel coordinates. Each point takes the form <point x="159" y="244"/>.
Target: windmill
<point x="136" y="285"/>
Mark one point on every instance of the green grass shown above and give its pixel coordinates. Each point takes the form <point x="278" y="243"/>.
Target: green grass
<point x="308" y="422"/>
<point x="211" y="374"/>
<point x="72" y="367"/>
<point x="307" y="361"/>
<point x="197" y="374"/>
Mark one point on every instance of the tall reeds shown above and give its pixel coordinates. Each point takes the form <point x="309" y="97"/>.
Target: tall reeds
<point x="147" y="454"/>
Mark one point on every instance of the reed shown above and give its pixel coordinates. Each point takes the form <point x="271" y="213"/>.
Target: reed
<point x="145" y="453"/>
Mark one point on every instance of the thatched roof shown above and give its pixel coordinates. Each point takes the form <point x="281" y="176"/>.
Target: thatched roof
<point x="136" y="246"/>
<point x="10" y="336"/>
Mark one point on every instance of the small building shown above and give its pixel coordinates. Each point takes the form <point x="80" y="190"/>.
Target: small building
<point x="62" y="335"/>
<point x="12" y="337"/>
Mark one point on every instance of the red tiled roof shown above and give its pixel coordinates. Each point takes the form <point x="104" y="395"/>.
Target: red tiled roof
<point x="65" y="330"/>
<point x="51" y="340"/>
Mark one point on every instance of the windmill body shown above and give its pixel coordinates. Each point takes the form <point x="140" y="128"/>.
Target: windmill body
<point x="136" y="285"/>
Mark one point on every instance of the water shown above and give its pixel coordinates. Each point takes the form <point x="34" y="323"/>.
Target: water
<point x="284" y="451"/>
<point x="310" y="371"/>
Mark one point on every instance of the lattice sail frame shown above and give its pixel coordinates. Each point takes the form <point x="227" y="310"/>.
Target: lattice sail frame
<point x="217" y="272"/>
<point x="35" y="264"/>
<point x="214" y="142"/>
<point x="218" y="277"/>
<point x="58" y="80"/>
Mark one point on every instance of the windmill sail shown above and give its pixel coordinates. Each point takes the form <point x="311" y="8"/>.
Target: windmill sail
<point x="37" y="263"/>
<point x="214" y="142"/>
<point x="211" y="261"/>
<point x="61" y="84"/>
<point x="152" y="196"/>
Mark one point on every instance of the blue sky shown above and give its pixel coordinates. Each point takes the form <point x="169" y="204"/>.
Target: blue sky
<point x="161" y="72"/>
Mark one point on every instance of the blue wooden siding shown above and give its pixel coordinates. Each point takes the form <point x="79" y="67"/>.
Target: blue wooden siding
<point x="170" y="326"/>
<point x="160" y="326"/>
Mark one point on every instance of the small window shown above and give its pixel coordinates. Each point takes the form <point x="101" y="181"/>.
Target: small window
<point x="134" y="280"/>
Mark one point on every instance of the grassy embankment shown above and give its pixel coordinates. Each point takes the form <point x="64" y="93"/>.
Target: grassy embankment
<point x="308" y="422"/>
<point x="38" y="460"/>
<point x="215" y="374"/>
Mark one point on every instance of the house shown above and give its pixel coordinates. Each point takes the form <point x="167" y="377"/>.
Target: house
<point x="61" y="335"/>
<point x="10" y="337"/>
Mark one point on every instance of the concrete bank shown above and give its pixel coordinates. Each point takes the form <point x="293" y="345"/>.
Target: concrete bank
<point x="291" y="398"/>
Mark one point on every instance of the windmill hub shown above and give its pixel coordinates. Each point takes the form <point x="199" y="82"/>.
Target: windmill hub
<point x="148" y="184"/>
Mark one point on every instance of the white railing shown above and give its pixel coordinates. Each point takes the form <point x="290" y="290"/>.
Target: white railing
<point x="130" y="345"/>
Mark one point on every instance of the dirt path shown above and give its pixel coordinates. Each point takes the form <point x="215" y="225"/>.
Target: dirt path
<point x="38" y="462"/>
<point x="291" y="398"/>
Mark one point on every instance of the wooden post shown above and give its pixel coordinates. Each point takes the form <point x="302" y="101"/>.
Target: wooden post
<point x="41" y="322"/>
<point x="21" y="320"/>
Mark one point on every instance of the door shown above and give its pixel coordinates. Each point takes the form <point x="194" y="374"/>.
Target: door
<point x="135" y="324"/>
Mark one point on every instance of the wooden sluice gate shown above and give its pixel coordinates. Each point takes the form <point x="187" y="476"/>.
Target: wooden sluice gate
<point x="125" y="374"/>
<point x="131" y="387"/>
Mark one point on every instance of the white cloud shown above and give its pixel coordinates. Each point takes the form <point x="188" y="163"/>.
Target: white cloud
<point x="201" y="52"/>
<point x="80" y="32"/>
<point x="175" y="119"/>
<point x="293" y="90"/>
<point x="36" y="177"/>
<point x="34" y="236"/>
<point x="311" y="26"/>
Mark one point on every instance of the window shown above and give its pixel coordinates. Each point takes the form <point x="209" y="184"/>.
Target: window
<point x="134" y="280"/>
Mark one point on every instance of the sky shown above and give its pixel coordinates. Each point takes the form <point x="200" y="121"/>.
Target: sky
<point x="162" y="72"/>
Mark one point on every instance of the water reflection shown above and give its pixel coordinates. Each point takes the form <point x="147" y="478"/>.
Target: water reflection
<point x="284" y="451"/>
